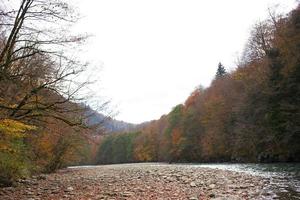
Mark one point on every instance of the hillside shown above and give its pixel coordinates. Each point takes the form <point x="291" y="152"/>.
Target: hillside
<point x="107" y="124"/>
<point x="248" y="115"/>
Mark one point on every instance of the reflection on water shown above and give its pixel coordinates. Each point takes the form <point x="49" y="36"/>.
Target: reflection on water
<point x="284" y="178"/>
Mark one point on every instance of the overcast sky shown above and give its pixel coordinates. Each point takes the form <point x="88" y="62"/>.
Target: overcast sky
<point x="153" y="53"/>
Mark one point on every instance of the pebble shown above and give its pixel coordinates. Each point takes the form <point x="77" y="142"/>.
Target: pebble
<point x="69" y="189"/>
<point x="127" y="194"/>
<point x="193" y="184"/>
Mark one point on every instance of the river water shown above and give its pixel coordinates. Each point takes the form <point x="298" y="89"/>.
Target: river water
<point x="284" y="179"/>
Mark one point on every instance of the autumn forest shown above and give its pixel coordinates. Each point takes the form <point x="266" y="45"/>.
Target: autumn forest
<point x="249" y="114"/>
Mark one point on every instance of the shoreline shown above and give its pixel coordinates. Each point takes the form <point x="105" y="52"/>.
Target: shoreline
<point x="140" y="181"/>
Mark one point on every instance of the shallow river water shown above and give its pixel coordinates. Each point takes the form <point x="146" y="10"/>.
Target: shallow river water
<point x="284" y="179"/>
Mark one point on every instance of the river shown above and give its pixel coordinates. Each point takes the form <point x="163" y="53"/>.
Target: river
<point x="284" y="179"/>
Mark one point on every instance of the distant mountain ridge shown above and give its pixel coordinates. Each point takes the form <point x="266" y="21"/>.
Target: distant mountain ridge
<point x="109" y="124"/>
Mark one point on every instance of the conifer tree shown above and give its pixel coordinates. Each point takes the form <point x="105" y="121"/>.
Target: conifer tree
<point x="220" y="71"/>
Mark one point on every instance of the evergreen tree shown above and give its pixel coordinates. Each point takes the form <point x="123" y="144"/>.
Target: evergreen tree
<point x="221" y="71"/>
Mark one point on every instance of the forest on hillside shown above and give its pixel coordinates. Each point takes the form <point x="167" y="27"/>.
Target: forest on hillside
<point x="43" y="117"/>
<point x="249" y="115"/>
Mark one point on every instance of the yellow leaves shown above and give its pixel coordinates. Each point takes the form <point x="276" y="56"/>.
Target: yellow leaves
<point x="4" y="147"/>
<point x="143" y="153"/>
<point x="11" y="133"/>
<point x="14" y="128"/>
<point x="238" y="75"/>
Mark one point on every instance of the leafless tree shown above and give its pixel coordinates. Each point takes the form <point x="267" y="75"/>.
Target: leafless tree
<point x="259" y="42"/>
<point x="37" y="76"/>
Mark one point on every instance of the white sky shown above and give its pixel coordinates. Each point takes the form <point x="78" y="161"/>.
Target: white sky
<point x="153" y="53"/>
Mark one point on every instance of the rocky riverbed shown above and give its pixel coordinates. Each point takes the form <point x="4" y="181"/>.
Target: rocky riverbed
<point x="139" y="181"/>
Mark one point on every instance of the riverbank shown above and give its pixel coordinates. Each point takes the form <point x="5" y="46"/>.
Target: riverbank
<point x="139" y="181"/>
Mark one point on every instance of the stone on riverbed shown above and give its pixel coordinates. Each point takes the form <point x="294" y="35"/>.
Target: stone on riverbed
<point x="69" y="189"/>
<point x="193" y="184"/>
